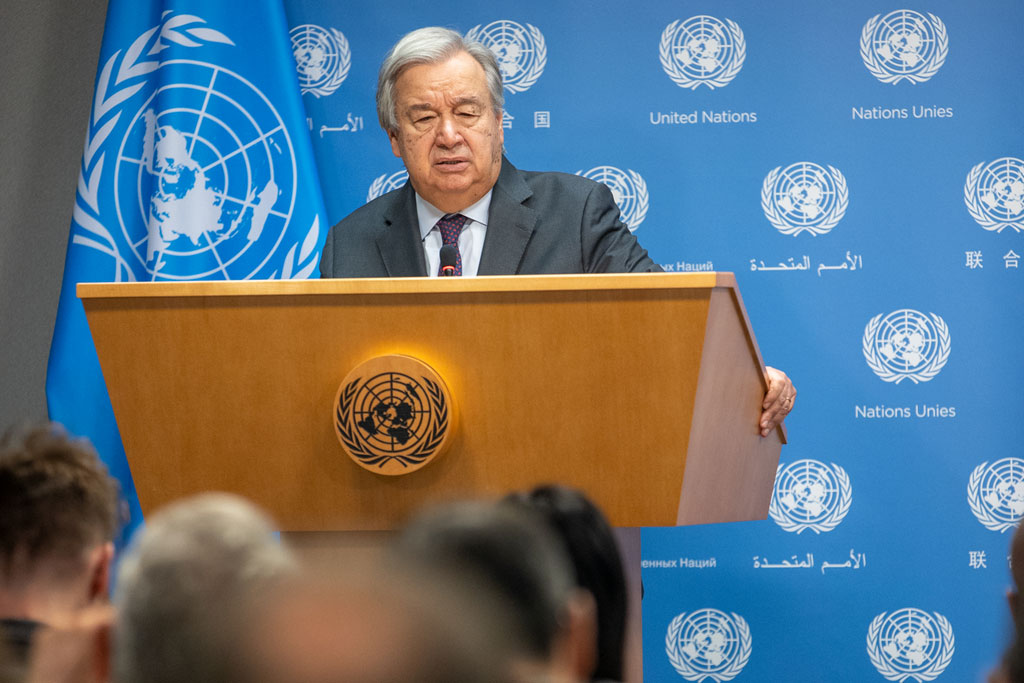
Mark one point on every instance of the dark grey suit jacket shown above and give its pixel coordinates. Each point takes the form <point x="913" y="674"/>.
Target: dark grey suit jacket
<point x="539" y="223"/>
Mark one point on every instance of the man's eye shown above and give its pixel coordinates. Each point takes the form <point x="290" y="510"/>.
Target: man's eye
<point x="425" y="119"/>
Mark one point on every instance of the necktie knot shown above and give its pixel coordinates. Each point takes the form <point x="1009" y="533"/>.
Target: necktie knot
<point x="450" y="226"/>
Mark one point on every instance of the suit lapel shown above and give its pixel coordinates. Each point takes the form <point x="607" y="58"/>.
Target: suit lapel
<point x="399" y="242"/>
<point x="509" y="225"/>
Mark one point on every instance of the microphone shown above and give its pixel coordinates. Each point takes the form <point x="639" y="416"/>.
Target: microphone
<point x="449" y="257"/>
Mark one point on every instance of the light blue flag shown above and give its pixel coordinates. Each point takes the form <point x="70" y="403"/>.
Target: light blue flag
<point x="197" y="165"/>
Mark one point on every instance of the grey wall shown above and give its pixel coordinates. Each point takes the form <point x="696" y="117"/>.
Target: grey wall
<point x="48" y="55"/>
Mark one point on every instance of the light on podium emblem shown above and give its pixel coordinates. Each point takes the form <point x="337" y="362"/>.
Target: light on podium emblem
<point x="393" y="414"/>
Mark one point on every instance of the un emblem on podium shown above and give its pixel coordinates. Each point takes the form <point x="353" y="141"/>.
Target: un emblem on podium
<point x="393" y="415"/>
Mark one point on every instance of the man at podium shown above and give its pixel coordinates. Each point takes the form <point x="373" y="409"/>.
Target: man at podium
<point x="466" y="209"/>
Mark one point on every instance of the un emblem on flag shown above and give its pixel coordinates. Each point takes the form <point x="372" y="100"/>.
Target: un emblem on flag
<point x="906" y="344"/>
<point x="996" y="493"/>
<point x="994" y="194"/>
<point x="804" y="197"/>
<point x="910" y="644"/>
<point x="205" y="177"/>
<point x="393" y="415"/>
<point x="708" y="645"/>
<point x="193" y="164"/>
<point x="702" y="50"/>
<point x="628" y="189"/>
<point x="904" y="45"/>
<point x="322" y="58"/>
<point x="809" y="494"/>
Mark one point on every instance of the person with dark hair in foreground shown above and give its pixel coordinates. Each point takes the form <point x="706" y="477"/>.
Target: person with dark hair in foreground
<point x="591" y="545"/>
<point x="58" y="516"/>
<point x="548" y="623"/>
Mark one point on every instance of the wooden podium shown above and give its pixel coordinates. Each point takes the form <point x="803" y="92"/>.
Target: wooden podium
<point x="643" y="390"/>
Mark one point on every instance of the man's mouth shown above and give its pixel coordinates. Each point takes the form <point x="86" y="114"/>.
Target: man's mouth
<point x="452" y="164"/>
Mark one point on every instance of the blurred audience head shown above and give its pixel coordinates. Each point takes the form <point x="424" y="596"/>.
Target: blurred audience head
<point x="374" y="626"/>
<point x="509" y="551"/>
<point x="58" y="515"/>
<point x="182" y="585"/>
<point x="590" y="543"/>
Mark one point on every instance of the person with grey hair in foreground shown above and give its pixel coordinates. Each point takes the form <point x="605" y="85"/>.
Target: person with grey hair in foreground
<point x="182" y="585"/>
<point x="439" y="99"/>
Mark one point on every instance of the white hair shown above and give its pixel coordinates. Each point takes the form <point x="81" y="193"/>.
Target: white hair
<point x="431" y="45"/>
<point x="181" y="583"/>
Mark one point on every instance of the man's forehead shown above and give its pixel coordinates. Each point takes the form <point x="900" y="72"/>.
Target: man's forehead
<point x="460" y="101"/>
<point x="460" y="76"/>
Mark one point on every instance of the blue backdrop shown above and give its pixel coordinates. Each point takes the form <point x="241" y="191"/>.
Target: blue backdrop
<point x="858" y="165"/>
<point x="824" y="152"/>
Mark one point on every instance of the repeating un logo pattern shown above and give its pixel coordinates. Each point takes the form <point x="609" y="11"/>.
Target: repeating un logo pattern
<point x="521" y="51"/>
<point x="629" y="190"/>
<point x="203" y="181"/>
<point x="904" y="45"/>
<point x="804" y="197"/>
<point x="708" y="645"/>
<point x="386" y="183"/>
<point x="994" y="194"/>
<point x="996" y="493"/>
<point x="322" y="58"/>
<point x="906" y="344"/>
<point x="702" y="50"/>
<point x="910" y="644"/>
<point x="811" y="495"/>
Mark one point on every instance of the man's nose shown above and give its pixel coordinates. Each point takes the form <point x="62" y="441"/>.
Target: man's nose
<point x="448" y="134"/>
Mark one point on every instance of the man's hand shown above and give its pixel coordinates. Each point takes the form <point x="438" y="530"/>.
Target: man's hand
<point x="778" y="401"/>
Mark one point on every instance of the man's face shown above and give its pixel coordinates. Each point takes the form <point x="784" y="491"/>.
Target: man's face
<point x="448" y="133"/>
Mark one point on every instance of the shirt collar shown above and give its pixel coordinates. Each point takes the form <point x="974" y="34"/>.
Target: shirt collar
<point x="428" y="214"/>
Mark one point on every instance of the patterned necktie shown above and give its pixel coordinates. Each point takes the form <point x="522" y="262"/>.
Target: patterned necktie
<point x="450" y="226"/>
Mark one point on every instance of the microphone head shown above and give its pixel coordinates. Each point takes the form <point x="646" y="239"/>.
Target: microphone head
<point x="449" y="257"/>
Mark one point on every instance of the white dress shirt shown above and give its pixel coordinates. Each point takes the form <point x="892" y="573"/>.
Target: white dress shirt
<point x="471" y="239"/>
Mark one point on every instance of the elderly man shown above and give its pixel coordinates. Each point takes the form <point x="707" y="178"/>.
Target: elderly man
<point x="439" y="98"/>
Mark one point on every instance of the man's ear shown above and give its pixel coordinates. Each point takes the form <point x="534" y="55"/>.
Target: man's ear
<point x="576" y="649"/>
<point x="394" y="145"/>
<point x="1013" y="599"/>
<point x="100" y="562"/>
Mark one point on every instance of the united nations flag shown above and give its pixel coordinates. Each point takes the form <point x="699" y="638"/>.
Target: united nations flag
<point x="197" y="165"/>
